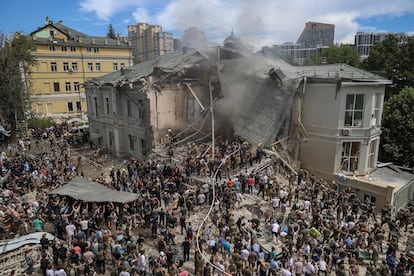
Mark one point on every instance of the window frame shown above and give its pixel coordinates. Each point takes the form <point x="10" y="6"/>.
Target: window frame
<point x="66" y="67"/>
<point x="349" y="156"/>
<point x="372" y="150"/>
<point x="68" y="86"/>
<point x="351" y="111"/>
<point x="78" y="106"/>
<point x="97" y="66"/>
<point x="56" y="86"/>
<point x="70" y="106"/>
<point x="76" y="86"/>
<point x="74" y="66"/>
<point x="53" y="66"/>
<point x="90" y="66"/>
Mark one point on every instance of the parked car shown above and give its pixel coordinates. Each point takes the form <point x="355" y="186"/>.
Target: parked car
<point x="78" y="134"/>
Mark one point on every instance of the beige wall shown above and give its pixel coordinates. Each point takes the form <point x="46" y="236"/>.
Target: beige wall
<point x="42" y="78"/>
<point x="168" y="109"/>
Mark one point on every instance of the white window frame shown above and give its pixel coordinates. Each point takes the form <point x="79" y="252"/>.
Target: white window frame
<point x="53" y="66"/>
<point x="349" y="159"/>
<point x="68" y="86"/>
<point x="76" y="86"/>
<point x="353" y="110"/>
<point x="66" y="66"/>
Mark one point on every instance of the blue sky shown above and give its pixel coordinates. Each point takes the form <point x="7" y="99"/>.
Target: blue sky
<point x="258" y="22"/>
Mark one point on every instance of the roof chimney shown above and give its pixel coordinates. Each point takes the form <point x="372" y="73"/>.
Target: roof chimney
<point x="48" y="21"/>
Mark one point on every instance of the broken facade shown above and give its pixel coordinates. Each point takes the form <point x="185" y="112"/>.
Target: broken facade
<point x="331" y="113"/>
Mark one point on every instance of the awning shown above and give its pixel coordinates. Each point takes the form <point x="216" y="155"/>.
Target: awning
<point x="83" y="189"/>
<point x="33" y="238"/>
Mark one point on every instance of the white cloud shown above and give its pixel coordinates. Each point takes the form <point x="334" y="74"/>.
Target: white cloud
<point x="260" y="22"/>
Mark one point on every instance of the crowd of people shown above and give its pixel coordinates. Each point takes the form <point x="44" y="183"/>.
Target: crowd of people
<point x="315" y="227"/>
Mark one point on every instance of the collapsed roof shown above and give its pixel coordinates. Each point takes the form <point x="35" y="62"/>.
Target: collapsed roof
<point x="259" y="90"/>
<point x="80" y="188"/>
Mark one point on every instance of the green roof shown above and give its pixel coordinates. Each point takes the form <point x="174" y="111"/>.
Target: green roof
<point x="168" y="63"/>
<point x="73" y="37"/>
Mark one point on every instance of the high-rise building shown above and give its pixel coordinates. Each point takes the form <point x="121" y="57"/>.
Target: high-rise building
<point x="313" y="39"/>
<point x="148" y="41"/>
<point x="365" y="41"/>
<point x="66" y="59"/>
<point x="317" y="35"/>
<point x="193" y="37"/>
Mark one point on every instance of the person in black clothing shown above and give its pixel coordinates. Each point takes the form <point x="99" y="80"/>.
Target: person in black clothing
<point x="44" y="263"/>
<point x="186" y="249"/>
<point x="44" y="242"/>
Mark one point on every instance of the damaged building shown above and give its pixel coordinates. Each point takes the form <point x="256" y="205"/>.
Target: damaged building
<point x="327" y="116"/>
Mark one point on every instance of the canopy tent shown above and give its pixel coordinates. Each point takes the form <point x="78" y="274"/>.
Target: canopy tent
<point x="33" y="238"/>
<point x="86" y="190"/>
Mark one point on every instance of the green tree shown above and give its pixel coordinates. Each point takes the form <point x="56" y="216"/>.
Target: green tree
<point x="393" y="59"/>
<point x="342" y="53"/>
<point x="111" y="32"/>
<point x="398" y="129"/>
<point x="15" y="61"/>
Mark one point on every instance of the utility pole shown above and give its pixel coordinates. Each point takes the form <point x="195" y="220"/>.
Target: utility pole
<point x="212" y="123"/>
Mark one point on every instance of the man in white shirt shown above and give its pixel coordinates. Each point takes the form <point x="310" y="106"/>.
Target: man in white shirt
<point x="323" y="267"/>
<point x="245" y="255"/>
<point x="275" y="204"/>
<point x="309" y="269"/>
<point x="70" y="232"/>
<point x="275" y="230"/>
<point x="286" y="272"/>
<point x="142" y="262"/>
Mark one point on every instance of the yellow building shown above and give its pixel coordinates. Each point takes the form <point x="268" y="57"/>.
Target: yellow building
<point x="66" y="59"/>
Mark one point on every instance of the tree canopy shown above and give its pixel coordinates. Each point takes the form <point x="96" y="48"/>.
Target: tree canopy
<point x="342" y="53"/>
<point x="111" y="32"/>
<point x="393" y="58"/>
<point x="15" y="61"/>
<point x="398" y="127"/>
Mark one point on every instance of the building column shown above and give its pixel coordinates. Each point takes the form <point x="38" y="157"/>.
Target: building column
<point x="117" y="142"/>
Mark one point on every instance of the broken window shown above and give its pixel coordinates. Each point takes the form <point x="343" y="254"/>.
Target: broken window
<point x="354" y="110"/>
<point x="350" y="156"/>
<point x="371" y="154"/>
<point x="376" y="117"/>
